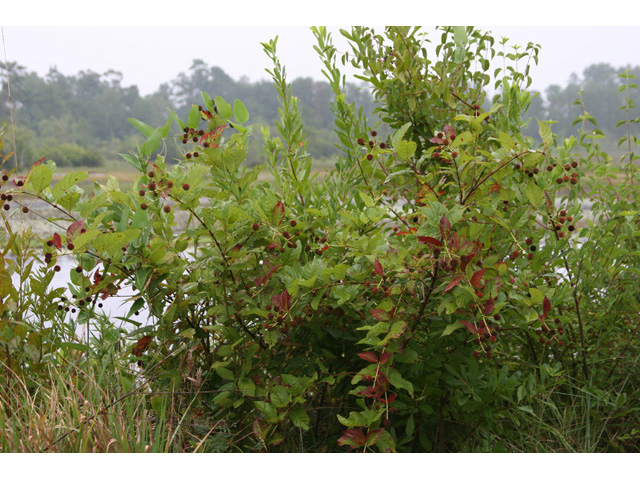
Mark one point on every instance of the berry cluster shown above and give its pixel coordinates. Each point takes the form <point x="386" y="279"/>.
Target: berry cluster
<point x="547" y="335"/>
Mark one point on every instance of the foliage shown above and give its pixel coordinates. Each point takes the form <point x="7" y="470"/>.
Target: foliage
<point x="436" y="292"/>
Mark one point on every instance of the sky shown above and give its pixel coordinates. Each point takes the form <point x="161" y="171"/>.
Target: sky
<point x="152" y="42"/>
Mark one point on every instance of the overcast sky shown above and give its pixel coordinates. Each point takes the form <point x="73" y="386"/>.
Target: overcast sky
<point x="74" y="38"/>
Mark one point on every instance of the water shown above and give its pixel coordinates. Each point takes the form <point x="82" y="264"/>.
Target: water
<point x="113" y="307"/>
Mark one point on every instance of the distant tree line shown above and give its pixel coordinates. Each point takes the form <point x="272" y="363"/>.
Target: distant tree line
<point x="81" y="120"/>
<point x="599" y="89"/>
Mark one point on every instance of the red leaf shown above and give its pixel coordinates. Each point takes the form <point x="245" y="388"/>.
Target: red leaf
<point x="377" y="266"/>
<point x="445" y="226"/>
<point x="373" y="436"/>
<point x="57" y="241"/>
<point x="448" y="130"/>
<point x="437" y="140"/>
<point x="434" y="242"/>
<point x="546" y="306"/>
<point x="278" y="213"/>
<point x="74" y="229"/>
<point x="453" y="283"/>
<point x="142" y="345"/>
<point x="39" y="162"/>
<point x="488" y="307"/>
<point x="352" y="436"/>
<point x="389" y="399"/>
<point x="495" y="188"/>
<point x="464" y="261"/>
<point x="477" y="278"/>
<point x="263" y="280"/>
<point x="384" y="357"/>
<point x="369" y="357"/>
<point x="470" y="326"/>
<point x="381" y="315"/>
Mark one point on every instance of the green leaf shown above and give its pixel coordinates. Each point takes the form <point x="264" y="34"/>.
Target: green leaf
<point x="534" y="193"/>
<point x="193" y="120"/>
<point x="61" y="188"/>
<point x="449" y="329"/>
<point x="368" y="201"/>
<point x="536" y="296"/>
<point x="544" y="130"/>
<point x="299" y="417"/>
<point x="40" y="178"/>
<point x="460" y="36"/>
<point x="240" y="112"/>
<point x="397" y="381"/>
<point x="406" y="149"/>
<point x="76" y="346"/>
<point x="153" y="142"/>
<point x="224" y="108"/>
<point x="279" y="396"/>
<point x="142" y="127"/>
<point x="399" y="134"/>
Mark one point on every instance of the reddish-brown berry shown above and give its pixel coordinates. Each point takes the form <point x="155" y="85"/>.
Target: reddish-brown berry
<point x="25" y="210"/>
<point x="255" y="226"/>
<point x="166" y="209"/>
<point x="186" y="186"/>
<point x="143" y="206"/>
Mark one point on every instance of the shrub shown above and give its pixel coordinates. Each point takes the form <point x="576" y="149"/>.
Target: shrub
<point x="427" y="295"/>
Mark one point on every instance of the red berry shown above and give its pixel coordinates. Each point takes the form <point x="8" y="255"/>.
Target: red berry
<point x="369" y="157"/>
<point x="143" y="206"/>
<point x="79" y="269"/>
<point x="151" y="174"/>
<point x="6" y="206"/>
<point x="169" y="184"/>
<point x="255" y="226"/>
<point x="57" y="268"/>
<point x="374" y="133"/>
<point x="166" y="208"/>
<point x="293" y="223"/>
<point x="186" y="186"/>
<point x="25" y="210"/>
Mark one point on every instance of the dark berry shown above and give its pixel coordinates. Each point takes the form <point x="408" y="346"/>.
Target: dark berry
<point x="6" y="206"/>
<point x="293" y="223"/>
<point x="186" y="186"/>
<point x="25" y="210"/>
<point x="374" y="133"/>
<point x="142" y="193"/>
<point x="144" y="206"/>
<point x="360" y="141"/>
<point x="57" y="268"/>
<point x="255" y="226"/>
<point x="369" y="157"/>
<point x="166" y="208"/>
<point x="151" y="174"/>
<point x="70" y="246"/>
<point x="169" y="184"/>
<point x="79" y="269"/>
<point x="5" y="178"/>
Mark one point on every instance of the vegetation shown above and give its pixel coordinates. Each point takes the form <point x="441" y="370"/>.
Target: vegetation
<point x="443" y="289"/>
